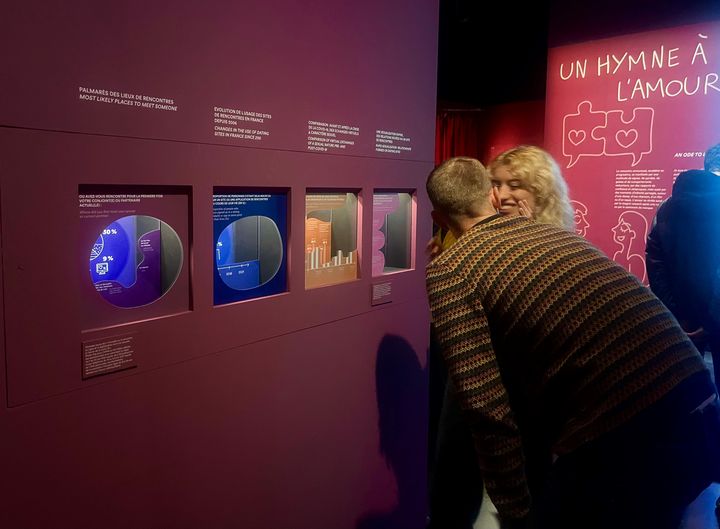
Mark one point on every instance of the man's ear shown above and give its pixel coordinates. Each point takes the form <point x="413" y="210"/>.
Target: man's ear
<point x="440" y="219"/>
<point x="495" y="197"/>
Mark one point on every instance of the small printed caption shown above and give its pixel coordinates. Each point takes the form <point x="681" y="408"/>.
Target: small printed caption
<point x="94" y="206"/>
<point x="391" y="142"/>
<point x="324" y="137"/>
<point x="233" y="123"/>
<point x="108" y="356"/>
<point x="226" y="207"/>
<point x="381" y="293"/>
<point x="116" y="97"/>
<point x="639" y="188"/>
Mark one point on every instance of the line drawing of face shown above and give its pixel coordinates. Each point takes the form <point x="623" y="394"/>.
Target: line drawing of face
<point x="630" y="233"/>
<point x="622" y="231"/>
<point x="580" y="212"/>
<point x="511" y="191"/>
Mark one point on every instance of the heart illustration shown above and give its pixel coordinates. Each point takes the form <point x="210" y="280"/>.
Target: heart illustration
<point x="626" y="138"/>
<point x="576" y="137"/>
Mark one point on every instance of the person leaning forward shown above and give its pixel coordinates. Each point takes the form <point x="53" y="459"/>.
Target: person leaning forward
<point x="541" y="331"/>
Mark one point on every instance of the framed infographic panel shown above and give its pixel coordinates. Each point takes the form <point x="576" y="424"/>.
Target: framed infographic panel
<point x="135" y="260"/>
<point x="392" y="232"/>
<point x="250" y="244"/>
<point x="135" y="240"/>
<point x="330" y="238"/>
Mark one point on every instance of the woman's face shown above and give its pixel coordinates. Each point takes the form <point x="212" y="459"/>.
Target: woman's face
<point x="511" y="191"/>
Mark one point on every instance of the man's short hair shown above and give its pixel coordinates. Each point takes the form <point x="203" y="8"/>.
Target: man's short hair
<point x="712" y="159"/>
<point x="459" y="187"/>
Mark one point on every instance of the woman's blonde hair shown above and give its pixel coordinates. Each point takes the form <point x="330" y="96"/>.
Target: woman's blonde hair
<point x="538" y="172"/>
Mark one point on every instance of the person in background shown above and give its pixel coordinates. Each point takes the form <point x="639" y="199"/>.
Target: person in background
<point x="528" y="183"/>
<point x="683" y="254"/>
<point x="549" y="341"/>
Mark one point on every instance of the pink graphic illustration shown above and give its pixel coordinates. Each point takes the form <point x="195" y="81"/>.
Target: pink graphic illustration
<point x="383" y="205"/>
<point x="576" y="137"/>
<point x="623" y="138"/>
<point x="577" y="133"/>
<point x="597" y="133"/>
<point x="630" y="233"/>
<point x="580" y="213"/>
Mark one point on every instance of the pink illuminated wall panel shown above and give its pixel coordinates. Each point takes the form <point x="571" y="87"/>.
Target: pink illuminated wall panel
<point x="624" y="116"/>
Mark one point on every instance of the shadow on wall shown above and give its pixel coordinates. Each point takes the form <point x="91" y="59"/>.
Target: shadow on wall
<point x="401" y="387"/>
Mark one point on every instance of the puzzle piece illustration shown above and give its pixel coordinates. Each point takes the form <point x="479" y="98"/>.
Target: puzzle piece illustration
<point x="628" y="137"/>
<point x="577" y="133"/>
<point x="596" y="133"/>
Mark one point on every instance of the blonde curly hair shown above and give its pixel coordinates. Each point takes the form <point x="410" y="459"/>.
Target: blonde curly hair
<point x="540" y="174"/>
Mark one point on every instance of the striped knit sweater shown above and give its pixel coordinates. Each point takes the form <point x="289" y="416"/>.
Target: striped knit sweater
<point x="537" y="326"/>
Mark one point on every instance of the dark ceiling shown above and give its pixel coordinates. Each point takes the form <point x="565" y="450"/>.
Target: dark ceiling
<point x="490" y="57"/>
<point x="496" y="52"/>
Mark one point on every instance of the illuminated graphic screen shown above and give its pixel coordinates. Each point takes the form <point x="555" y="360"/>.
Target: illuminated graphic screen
<point x="391" y="236"/>
<point x="250" y="230"/>
<point x="330" y="239"/>
<point x="135" y="261"/>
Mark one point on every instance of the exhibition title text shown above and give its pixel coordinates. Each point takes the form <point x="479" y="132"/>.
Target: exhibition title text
<point x="633" y="66"/>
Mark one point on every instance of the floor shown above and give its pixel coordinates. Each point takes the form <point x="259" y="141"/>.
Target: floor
<point x="700" y="515"/>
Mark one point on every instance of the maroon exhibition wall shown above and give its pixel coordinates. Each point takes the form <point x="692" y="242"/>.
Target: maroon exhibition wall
<point x="624" y="116"/>
<point x="304" y="408"/>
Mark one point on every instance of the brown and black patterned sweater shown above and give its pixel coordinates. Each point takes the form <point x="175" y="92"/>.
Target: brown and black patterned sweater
<point x="539" y="327"/>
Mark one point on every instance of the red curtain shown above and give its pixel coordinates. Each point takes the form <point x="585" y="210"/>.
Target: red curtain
<point x="485" y="134"/>
<point x="458" y="133"/>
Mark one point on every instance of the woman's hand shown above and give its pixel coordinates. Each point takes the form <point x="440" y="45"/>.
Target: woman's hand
<point x="525" y="210"/>
<point x="434" y="247"/>
<point x="697" y="333"/>
<point x="699" y="338"/>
